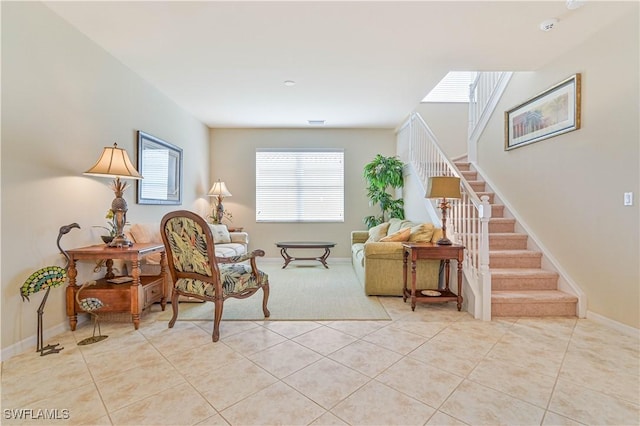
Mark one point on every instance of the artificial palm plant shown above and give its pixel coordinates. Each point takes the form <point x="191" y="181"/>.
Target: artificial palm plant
<point x="382" y="174"/>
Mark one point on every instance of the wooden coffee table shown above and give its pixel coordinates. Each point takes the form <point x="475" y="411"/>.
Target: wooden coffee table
<point x="305" y="245"/>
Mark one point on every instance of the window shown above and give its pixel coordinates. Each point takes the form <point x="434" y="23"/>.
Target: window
<point x="299" y="185"/>
<point x="454" y="87"/>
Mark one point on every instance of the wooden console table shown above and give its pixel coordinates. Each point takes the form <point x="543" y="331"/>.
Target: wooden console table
<point x="416" y="251"/>
<point x="133" y="296"/>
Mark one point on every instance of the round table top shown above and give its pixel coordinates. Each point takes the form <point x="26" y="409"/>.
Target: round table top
<point x="305" y="244"/>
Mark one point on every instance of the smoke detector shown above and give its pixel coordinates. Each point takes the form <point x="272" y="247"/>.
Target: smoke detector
<point x="575" y="4"/>
<point x="549" y="24"/>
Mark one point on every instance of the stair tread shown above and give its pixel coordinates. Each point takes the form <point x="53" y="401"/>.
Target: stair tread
<point x="508" y="235"/>
<point x="522" y="272"/>
<point x="518" y="296"/>
<point x="502" y="219"/>
<point x="514" y="252"/>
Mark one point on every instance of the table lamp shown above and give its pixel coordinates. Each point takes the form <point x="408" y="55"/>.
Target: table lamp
<point x="114" y="162"/>
<point x="219" y="189"/>
<point x="443" y="187"/>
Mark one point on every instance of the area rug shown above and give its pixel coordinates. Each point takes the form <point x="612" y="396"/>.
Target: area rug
<point x="299" y="292"/>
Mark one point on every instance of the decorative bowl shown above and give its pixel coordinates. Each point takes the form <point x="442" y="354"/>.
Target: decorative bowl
<point x="106" y="238"/>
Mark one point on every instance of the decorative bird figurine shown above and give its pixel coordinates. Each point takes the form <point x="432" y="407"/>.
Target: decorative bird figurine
<point x="45" y="278"/>
<point x="91" y="305"/>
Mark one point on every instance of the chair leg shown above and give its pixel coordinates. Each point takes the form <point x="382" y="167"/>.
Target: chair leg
<point x="217" y="317"/>
<point x="174" y="307"/>
<point x="265" y="299"/>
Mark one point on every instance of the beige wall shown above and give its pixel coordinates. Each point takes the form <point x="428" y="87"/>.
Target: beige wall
<point x="569" y="189"/>
<point x="233" y="161"/>
<point x="448" y="121"/>
<point x="63" y="99"/>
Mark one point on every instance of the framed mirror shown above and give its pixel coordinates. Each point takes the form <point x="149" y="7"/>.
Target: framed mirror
<point x="160" y="164"/>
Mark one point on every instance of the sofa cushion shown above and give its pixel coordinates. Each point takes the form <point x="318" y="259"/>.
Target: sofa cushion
<point x="147" y="233"/>
<point x="357" y="252"/>
<point x="220" y="233"/>
<point x="422" y="233"/>
<point x="230" y="250"/>
<point x="399" y="236"/>
<point x="394" y="225"/>
<point x="378" y="232"/>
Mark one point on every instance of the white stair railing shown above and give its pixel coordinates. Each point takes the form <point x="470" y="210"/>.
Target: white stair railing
<point x="484" y="94"/>
<point x="468" y="218"/>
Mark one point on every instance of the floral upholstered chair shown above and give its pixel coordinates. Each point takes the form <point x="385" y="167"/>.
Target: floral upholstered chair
<point x="198" y="273"/>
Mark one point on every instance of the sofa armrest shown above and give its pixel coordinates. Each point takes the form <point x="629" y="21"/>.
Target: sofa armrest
<point x="359" y="237"/>
<point x="239" y="237"/>
<point x="390" y="250"/>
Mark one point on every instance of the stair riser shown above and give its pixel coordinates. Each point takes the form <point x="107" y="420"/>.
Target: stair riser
<point x="507" y="243"/>
<point x="495" y="226"/>
<point x="462" y="166"/>
<point x="469" y="175"/>
<point x="523" y="283"/>
<point x="477" y="186"/>
<point x="497" y="210"/>
<point x="562" y="309"/>
<point x="503" y="261"/>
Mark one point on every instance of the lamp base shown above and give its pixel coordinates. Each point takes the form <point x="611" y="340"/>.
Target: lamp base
<point x="444" y="242"/>
<point x="120" y="241"/>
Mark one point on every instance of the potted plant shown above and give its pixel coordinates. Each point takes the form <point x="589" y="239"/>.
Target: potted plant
<point x="381" y="174"/>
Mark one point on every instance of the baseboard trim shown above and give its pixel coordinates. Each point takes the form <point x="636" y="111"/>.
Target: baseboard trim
<point x="618" y="326"/>
<point x="30" y="343"/>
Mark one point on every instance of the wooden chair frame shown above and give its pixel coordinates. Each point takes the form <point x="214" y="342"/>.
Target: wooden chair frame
<point x="219" y="296"/>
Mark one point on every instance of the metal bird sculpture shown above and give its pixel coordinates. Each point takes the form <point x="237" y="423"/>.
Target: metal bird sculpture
<point x="44" y="279"/>
<point x="90" y="305"/>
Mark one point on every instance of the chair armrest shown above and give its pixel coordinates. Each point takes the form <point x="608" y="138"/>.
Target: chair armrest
<point x="241" y="258"/>
<point x="359" y="237"/>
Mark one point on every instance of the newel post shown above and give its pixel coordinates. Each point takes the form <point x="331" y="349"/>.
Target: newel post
<point x="484" y="272"/>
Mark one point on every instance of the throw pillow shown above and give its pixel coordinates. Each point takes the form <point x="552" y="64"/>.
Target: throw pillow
<point x="422" y="233"/>
<point x="377" y="232"/>
<point x="220" y="233"/>
<point x="400" y="236"/>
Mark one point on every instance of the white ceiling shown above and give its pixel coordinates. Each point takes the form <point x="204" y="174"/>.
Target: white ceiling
<point x="356" y="64"/>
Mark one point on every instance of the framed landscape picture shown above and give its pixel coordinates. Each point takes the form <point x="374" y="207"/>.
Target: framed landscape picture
<point x="160" y="164"/>
<point x="551" y="113"/>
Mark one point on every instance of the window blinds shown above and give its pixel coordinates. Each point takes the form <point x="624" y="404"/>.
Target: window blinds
<point x="299" y="185"/>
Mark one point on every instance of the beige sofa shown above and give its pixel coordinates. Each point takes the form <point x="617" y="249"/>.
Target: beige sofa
<point x="377" y="256"/>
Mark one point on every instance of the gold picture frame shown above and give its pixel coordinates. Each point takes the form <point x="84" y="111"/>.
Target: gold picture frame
<point x="551" y="113"/>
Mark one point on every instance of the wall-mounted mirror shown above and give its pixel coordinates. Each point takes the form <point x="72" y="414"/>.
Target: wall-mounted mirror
<point x="160" y="164"/>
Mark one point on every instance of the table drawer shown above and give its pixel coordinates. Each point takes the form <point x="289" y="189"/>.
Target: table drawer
<point x="153" y="292"/>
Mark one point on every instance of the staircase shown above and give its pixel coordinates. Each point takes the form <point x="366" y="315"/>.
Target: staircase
<point x="519" y="285"/>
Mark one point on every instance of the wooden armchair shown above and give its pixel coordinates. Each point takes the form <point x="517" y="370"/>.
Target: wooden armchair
<point x="198" y="273"/>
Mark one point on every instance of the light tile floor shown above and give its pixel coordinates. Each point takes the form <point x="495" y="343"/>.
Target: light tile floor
<point x="434" y="366"/>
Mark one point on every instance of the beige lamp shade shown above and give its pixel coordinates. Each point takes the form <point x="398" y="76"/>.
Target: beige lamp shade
<point x="114" y="162"/>
<point x="443" y="187"/>
<point x="219" y="189"/>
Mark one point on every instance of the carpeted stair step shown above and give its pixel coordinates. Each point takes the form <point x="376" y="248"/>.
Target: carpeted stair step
<point x="477" y="185"/>
<point x="462" y="166"/>
<point x="507" y="241"/>
<point x="519" y="279"/>
<point x="497" y="210"/>
<point x="502" y="225"/>
<point x="538" y="303"/>
<point x="469" y="174"/>
<point x="514" y="259"/>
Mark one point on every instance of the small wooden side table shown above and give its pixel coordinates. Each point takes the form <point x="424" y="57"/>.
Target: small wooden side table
<point x="133" y="296"/>
<point x="416" y="251"/>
